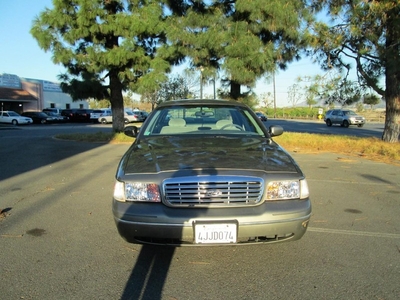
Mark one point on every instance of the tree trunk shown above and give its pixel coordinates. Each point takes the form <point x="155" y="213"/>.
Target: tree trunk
<point x="117" y="102"/>
<point x="235" y="90"/>
<point x="391" y="133"/>
<point x="392" y="94"/>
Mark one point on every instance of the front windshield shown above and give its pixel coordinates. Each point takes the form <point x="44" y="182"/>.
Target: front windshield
<point x="13" y="114"/>
<point x="204" y="120"/>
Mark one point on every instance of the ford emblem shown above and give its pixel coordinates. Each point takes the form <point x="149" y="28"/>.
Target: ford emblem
<point x="213" y="193"/>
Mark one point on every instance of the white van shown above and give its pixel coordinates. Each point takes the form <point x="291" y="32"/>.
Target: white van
<point x="100" y="112"/>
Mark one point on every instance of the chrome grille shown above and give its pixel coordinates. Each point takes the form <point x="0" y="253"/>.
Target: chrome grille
<point x="215" y="191"/>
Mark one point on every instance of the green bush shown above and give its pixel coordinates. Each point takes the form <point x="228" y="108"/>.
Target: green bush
<point x="293" y="112"/>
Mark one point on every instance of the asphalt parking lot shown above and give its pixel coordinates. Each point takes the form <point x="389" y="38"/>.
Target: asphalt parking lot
<point x="58" y="238"/>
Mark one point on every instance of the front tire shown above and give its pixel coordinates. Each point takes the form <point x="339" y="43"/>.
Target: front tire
<point x="346" y="124"/>
<point x="103" y="121"/>
<point x="14" y="122"/>
<point x="328" y="123"/>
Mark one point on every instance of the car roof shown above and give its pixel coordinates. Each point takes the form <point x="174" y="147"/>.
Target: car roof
<point x="189" y="102"/>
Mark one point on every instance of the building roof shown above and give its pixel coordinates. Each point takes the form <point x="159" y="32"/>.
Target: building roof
<point x="10" y="94"/>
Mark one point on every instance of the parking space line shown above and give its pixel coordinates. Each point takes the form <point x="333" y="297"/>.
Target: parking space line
<point x="354" y="232"/>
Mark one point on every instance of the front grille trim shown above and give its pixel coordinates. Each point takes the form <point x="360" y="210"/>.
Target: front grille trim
<point x="213" y="191"/>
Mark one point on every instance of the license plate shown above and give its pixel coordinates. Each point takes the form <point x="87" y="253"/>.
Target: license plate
<point x="215" y="233"/>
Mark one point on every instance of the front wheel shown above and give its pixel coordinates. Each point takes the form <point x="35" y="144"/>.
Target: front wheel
<point x="126" y="121"/>
<point x="43" y="121"/>
<point x="328" y="123"/>
<point x="14" y="122"/>
<point x="103" y="121"/>
<point x="346" y="124"/>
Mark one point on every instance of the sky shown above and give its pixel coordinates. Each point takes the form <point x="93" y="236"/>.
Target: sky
<point x="20" y="54"/>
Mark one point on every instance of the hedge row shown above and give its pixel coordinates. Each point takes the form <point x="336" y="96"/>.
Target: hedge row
<point x="293" y="112"/>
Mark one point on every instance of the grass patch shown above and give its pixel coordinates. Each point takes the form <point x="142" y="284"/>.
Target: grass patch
<point x="369" y="148"/>
<point x="98" y="137"/>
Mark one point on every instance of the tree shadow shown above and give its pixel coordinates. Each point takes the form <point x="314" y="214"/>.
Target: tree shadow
<point x="149" y="274"/>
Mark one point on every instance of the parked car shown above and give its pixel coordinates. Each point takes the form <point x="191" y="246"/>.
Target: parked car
<point x="141" y="115"/>
<point x="129" y="117"/>
<point x="82" y="115"/>
<point x="69" y="113"/>
<point x="343" y="117"/>
<point x="11" y="117"/>
<point x="38" y="117"/>
<point x="203" y="172"/>
<point x="261" y="116"/>
<point x="52" y="110"/>
<point x="58" y="118"/>
<point x="77" y="115"/>
<point x="96" y="114"/>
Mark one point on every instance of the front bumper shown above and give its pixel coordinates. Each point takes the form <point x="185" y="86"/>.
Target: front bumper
<point x="356" y="122"/>
<point x="155" y="223"/>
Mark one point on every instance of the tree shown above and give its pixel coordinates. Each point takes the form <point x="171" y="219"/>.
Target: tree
<point x="106" y="47"/>
<point x="240" y="40"/>
<point x="310" y="99"/>
<point x="294" y="94"/>
<point x="332" y="87"/>
<point x="266" y="100"/>
<point x="341" y="91"/>
<point x="177" y="87"/>
<point x="366" y="33"/>
<point x="371" y="100"/>
<point x="96" y="104"/>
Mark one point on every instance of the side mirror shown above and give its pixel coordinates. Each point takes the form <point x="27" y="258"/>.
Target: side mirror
<point x="275" y="130"/>
<point x="131" y="131"/>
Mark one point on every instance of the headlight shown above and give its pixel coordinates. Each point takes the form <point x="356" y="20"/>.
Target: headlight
<point x="290" y="189"/>
<point x="144" y="192"/>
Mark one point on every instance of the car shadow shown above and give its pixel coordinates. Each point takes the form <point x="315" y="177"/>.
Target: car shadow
<point x="149" y="274"/>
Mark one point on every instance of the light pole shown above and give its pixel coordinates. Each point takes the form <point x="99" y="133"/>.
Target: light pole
<point x="214" y="87"/>
<point x="274" y="95"/>
<point x="201" y="82"/>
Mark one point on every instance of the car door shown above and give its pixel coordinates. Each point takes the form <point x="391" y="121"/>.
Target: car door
<point x="340" y="117"/>
<point x="4" y="117"/>
<point x="334" y="116"/>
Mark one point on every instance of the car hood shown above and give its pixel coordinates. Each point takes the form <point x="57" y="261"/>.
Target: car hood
<point x="153" y="155"/>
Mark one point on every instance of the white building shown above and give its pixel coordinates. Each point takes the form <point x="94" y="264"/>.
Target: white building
<point x="26" y="94"/>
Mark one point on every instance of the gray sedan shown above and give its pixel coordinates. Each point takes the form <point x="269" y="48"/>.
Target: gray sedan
<point x="204" y="172"/>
